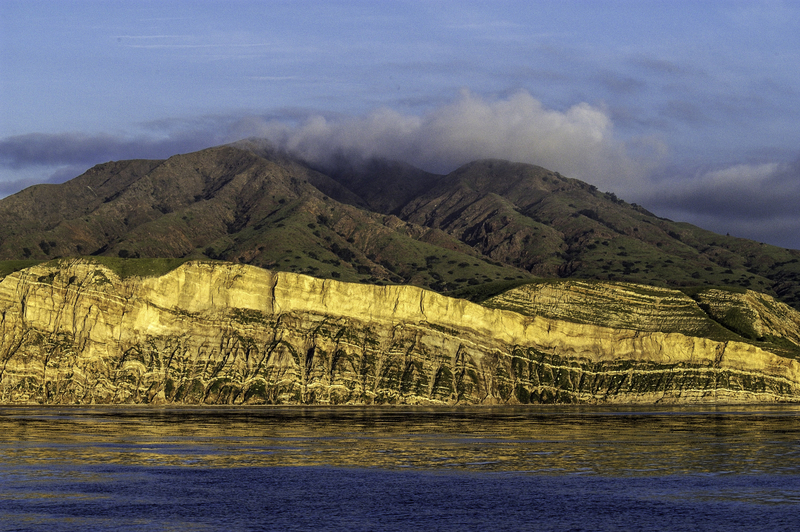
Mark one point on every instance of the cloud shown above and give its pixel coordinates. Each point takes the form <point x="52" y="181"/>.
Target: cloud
<point x="757" y="201"/>
<point x="685" y="111"/>
<point x="751" y="192"/>
<point x="40" y="149"/>
<point x="60" y="175"/>
<point x="34" y="158"/>
<point x="666" y="67"/>
<point x="579" y="142"/>
<point x="619" y="83"/>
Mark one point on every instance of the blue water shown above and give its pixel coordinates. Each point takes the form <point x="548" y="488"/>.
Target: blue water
<point x="399" y="469"/>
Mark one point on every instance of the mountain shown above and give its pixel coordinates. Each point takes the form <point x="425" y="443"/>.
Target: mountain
<point x="242" y="274"/>
<point x="227" y="203"/>
<point x="472" y="233"/>
<point x="76" y="331"/>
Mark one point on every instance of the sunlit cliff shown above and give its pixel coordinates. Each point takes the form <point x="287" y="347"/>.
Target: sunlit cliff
<point x="73" y="332"/>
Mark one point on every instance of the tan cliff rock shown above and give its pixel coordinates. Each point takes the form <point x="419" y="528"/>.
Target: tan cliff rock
<point x="73" y="332"/>
<point x="752" y="314"/>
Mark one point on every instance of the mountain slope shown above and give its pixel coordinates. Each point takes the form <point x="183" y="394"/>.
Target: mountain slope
<point x="554" y="226"/>
<point x="227" y="203"/>
<point x="379" y="222"/>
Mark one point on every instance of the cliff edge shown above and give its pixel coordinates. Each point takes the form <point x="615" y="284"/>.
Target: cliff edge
<point x="74" y="332"/>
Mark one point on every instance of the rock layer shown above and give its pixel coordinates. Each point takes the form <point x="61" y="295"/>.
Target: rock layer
<point x="73" y="332"/>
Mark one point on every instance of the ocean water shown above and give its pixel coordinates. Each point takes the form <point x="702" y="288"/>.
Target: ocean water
<point x="397" y="468"/>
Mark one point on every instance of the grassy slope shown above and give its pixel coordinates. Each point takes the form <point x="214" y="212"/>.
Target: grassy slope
<point x="490" y="222"/>
<point x="555" y="226"/>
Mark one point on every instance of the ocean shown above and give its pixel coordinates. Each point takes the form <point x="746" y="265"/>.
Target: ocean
<point x="400" y="468"/>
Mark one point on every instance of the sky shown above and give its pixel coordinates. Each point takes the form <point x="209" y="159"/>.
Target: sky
<point x="691" y="109"/>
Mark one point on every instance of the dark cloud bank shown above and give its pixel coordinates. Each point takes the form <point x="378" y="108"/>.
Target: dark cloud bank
<point x="756" y="201"/>
<point x="38" y="149"/>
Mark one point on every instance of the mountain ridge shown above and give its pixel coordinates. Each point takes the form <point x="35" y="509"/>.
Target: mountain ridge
<point x="241" y="274"/>
<point x="487" y="222"/>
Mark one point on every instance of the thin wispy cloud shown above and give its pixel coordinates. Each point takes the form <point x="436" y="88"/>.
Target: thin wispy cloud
<point x="173" y="36"/>
<point x="207" y="45"/>
<point x="485" y="25"/>
<point x="191" y="41"/>
<point x="274" y="78"/>
<point x="666" y="66"/>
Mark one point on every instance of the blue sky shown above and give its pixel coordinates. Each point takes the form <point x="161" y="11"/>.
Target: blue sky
<point x="688" y="108"/>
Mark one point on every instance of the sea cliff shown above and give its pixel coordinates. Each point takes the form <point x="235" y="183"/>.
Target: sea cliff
<point x="74" y="332"/>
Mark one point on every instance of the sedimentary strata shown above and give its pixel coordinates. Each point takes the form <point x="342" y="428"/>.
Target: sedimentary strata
<point x="73" y="332"/>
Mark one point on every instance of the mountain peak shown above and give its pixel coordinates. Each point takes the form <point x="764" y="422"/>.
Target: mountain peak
<point x="379" y="221"/>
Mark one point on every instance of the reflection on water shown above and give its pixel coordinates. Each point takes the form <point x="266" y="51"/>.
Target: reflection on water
<point x="569" y="468"/>
<point x="742" y="440"/>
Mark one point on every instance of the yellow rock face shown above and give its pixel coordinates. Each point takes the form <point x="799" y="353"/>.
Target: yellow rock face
<point x="755" y="315"/>
<point x="223" y="333"/>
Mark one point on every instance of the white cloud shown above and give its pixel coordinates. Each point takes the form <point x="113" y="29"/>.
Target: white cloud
<point x="741" y="175"/>
<point x="578" y="142"/>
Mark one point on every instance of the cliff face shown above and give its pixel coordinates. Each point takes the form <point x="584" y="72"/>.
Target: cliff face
<point x="718" y="314"/>
<point x="752" y="315"/>
<point x="75" y="333"/>
<point x="619" y="305"/>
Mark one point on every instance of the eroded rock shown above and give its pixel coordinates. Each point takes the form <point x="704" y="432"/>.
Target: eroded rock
<point x="217" y="333"/>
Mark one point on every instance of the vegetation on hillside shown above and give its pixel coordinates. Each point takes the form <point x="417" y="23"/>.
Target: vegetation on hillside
<point x="486" y="226"/>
